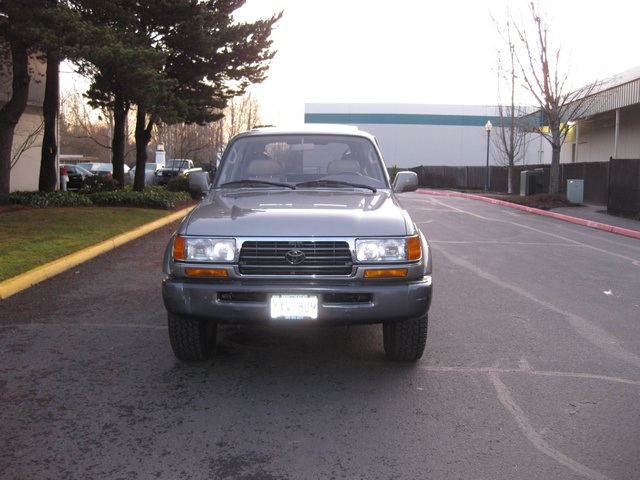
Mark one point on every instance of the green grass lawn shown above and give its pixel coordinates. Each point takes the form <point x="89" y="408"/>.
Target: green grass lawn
<point x="35" y="236"/>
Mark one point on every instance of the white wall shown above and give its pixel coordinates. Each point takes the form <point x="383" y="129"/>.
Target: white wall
<point x="595" y="137"/>
<point x="26" y="172"/>
<point x="413" y="135"/>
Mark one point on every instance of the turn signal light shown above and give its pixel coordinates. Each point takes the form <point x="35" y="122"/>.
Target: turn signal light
<point x="386" y="273"/>
<point x="206" y="272"/>
<point x="414" y="248"/>
<point x="179" y="248"/>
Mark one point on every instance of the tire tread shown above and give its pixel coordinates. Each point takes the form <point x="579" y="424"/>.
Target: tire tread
<point x="191" y="340"/>
<point x="405" y="341"/>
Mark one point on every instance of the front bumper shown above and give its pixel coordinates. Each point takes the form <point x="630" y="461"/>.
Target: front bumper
<point x="234" y="303"/>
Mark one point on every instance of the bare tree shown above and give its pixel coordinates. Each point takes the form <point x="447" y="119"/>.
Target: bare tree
<point x="196" y="142"/>
<point x="242" y="114"/>
<point x="541" y="73"/>
<point x="88" y="131"/>
<point x="86" y="122"/>
<point x="204" y="143"/>
<point x="509" y="138"/>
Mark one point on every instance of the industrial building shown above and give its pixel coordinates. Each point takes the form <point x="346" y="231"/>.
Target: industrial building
<point x="455" y="135"/>
<point x="412" y="135"/>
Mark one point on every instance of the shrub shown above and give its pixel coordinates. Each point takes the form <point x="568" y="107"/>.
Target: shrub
<point x="152" y="197"/>
<point x="181" y="184"/>
<point x="178" y="184"/>
<point x="49" y="199"/>
<point x="393" y="172"/>
<point x="99" y="183"/>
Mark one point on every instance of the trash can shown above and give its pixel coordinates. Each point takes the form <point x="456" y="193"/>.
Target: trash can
<point x="575" y="191"/>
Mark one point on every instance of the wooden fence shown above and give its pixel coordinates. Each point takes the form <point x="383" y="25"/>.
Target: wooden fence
<point x="595" y="175"/>
<point x="624" y="186"/>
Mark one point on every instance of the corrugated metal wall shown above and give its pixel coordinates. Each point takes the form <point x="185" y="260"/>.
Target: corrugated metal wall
<point x="617" y="97"/>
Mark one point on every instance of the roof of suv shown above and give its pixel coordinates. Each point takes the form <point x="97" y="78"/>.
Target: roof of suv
<point x="306" y="129"/>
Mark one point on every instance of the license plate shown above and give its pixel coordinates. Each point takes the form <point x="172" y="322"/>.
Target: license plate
<point x="294" y="307"/>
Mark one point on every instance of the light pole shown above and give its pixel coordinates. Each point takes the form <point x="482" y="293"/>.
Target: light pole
<point x="487" y="127"/>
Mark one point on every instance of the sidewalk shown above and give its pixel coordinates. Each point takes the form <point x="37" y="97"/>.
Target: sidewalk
<point x="593" y="216"/>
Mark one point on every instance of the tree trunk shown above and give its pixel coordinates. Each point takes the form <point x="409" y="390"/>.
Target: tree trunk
<point x="510" y="178"/>
<point x="143" y="137"/>
<point x="120" y="111"/>
<point x="554" y="180"/>
<point x="11" y="112"/>
<point x="556" y="145"/>
<point x="48" y="172"/>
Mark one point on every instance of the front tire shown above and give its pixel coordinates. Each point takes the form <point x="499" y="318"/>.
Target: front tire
<point x="191" y="340"/>
<point x="405" y="341"/>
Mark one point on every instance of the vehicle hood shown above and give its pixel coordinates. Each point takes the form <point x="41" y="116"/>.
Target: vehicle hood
<point x="316" y="213"/>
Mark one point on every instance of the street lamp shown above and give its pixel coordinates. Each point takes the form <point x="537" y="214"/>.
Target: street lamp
<point x="487" y="127"/>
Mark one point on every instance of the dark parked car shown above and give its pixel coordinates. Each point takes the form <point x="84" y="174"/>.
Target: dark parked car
<point x="104" y="169"/>
<point x="300" y="226"/>
<point x="76" y="176"/>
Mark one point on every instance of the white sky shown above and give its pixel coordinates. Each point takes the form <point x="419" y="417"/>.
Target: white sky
<point x="422" y="51"/>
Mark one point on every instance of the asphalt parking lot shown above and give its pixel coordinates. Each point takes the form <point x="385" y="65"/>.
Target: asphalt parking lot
<point x="531" y="369"/>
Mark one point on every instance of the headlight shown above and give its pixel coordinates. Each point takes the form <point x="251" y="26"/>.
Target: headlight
<point x="373" y="250"/>
<point x="204" y="249"/>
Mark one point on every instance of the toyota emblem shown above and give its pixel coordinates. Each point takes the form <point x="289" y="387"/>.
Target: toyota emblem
<point x="295" y="257"/>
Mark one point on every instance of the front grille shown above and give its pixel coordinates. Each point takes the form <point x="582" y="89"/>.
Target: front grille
<point x="320" y="258"/>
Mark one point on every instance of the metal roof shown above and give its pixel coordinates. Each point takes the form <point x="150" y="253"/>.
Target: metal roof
<point x="619" y="91"/>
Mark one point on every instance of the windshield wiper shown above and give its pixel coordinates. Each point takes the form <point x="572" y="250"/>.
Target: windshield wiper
<point x="250" y="183"/>
<point x="335" y="183"/>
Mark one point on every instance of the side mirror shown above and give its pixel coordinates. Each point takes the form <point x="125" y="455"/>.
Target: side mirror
<point x="405" y="182"/>
<point x="199" y="183"/>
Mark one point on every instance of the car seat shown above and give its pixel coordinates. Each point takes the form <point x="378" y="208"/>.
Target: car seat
<point x="344" y="165"/>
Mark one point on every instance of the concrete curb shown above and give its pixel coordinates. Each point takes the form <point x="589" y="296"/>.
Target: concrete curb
<point x="546" y="213"/>
<point x="25" y="280"/>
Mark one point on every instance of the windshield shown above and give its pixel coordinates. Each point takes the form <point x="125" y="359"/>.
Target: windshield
<point x="305" y="161"/>
<point x="177" y="163"/>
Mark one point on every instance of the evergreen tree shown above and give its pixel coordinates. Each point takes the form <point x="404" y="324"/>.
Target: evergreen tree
<point x="121" y="72"/>
<point x="31" y="28"/>
<point x="175" y="60"/>
<point x="210" y="59"/>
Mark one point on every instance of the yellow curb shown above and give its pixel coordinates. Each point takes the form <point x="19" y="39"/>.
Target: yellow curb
<point x="32" y="277"/>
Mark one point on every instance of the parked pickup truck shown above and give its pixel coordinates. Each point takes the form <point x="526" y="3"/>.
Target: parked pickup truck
<point x="175" y="168"/>
<point x="300" y="226"/>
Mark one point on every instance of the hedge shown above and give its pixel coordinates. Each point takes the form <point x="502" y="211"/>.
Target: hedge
<point x="150" y="197"/>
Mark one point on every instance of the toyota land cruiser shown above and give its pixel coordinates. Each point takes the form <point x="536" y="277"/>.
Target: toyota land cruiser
<point x="300" y="225"/>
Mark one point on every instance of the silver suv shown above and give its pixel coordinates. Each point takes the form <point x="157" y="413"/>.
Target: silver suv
<point x="300" y="225"/>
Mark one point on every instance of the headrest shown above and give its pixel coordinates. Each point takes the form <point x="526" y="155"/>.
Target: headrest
<point x="261" y="167"/>
<point x="341" y="166"/>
